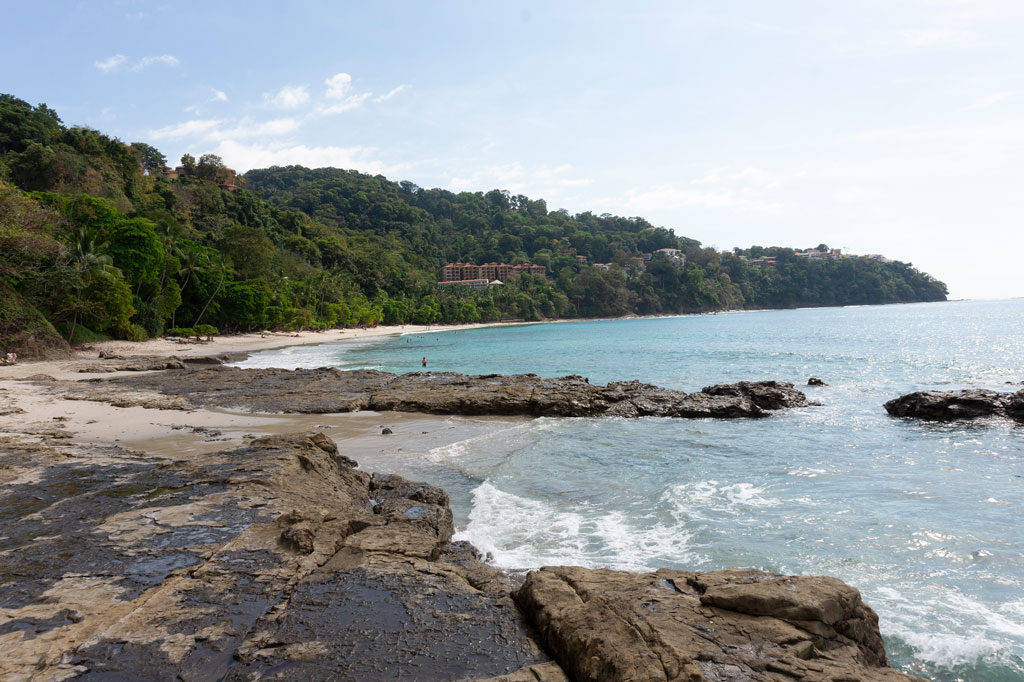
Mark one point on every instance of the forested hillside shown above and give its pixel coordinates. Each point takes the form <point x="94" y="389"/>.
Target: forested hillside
<point x="97" y="241"/>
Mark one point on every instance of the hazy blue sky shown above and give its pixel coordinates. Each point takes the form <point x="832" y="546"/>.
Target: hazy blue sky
<point x="892" y="127"/>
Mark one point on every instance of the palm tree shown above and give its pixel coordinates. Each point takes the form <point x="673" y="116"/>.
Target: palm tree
<point x="221" y="266"/>
<point x="169" y="232"/>
<point x="87" y="258"/>
<point x="192" y="263"/>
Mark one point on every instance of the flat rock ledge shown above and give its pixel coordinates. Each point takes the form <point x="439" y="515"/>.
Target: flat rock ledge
<point x="951" y="405"/>
<point x="328" y="390"/>
<point x="281" y="561"/>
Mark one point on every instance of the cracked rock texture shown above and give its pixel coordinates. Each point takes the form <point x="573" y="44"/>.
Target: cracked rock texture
<point x="273" y="561"/>
<point x="949" y="405"/>
<point x="331" y="390"/>
<point x="724" y="625"/>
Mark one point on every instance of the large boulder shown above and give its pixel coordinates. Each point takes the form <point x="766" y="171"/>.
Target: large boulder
<point x="608" y="626"/>
<point x="950" y="405"/>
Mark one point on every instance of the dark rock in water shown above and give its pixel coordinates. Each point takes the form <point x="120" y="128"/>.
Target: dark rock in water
<point x="386" y="431"/>
<point x="331" y="390"/>
<point x="950" y="405"/>
<point x="724" y="625"/>
<point x="815" y="381"/>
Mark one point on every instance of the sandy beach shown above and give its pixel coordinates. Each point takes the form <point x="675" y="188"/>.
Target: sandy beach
<point x="30" y="406"/>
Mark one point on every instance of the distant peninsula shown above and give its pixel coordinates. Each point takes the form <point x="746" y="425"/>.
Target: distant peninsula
<point x="102" y="239"/>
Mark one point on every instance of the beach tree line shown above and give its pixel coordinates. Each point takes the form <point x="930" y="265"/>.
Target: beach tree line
<point x="97" y="241"/>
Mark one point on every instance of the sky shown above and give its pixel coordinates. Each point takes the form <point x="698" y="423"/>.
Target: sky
<point x="889" y="126"/>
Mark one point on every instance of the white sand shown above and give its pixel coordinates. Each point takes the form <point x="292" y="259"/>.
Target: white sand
<point x="35" y="406"/>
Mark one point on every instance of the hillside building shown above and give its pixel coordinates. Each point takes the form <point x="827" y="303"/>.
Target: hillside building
<point x="460" y="272"/>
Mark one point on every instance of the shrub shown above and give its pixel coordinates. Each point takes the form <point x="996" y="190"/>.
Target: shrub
<point x="132" y="332"/>
<point x="181" y="331"/>
<point x="206" y="330"/>
<point x="297" y="318"/>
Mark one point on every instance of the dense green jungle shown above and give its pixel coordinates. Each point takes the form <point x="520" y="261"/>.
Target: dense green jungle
<point x="98" y="241"/>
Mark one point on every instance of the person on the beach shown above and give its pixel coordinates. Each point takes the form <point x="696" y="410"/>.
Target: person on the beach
<point x="424" y="362"/>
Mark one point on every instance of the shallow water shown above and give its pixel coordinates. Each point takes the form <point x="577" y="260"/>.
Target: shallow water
<point x="922" y="518"/>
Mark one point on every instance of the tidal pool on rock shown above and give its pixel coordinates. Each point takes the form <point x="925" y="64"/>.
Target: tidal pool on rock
<point x="922" y="518"/>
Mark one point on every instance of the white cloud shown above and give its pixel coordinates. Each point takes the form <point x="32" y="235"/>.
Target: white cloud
<point x="111" y="63"/>
<point x="989" y="101"/>
<point x="391" y="93"/>
<point x="248" y="128"/>
<point x="243" y="157"/>
<point x="213" y="130"/>
<point x="348" y="104"/>
<point x="544" y="182"/>
<point x="219" y="96"/>
<point x="936" y="37"/>
<point x="854" y="194"/>
<point x="146" y="62"/>
<point x="338" y="85"/>
<point x="749" y="176"/>
<point x="118" y="62"/>
<point x="667" y="197"/>
<point x="186" y="129"/>
<point x="289" y="97"/>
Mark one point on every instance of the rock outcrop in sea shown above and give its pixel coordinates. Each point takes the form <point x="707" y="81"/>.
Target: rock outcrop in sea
<point x="280" y="560"/>
<point x="327" y="390"/>
<point x="950" y="405"/>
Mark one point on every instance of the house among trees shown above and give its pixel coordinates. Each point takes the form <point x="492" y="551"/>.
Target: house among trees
<point x="461" y="272"/>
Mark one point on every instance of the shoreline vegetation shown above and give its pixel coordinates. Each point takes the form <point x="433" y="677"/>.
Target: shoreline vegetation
<point x="100" y="239"/>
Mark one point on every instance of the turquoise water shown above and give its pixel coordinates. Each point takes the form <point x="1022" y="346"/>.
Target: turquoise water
<point x="923" y="518"/>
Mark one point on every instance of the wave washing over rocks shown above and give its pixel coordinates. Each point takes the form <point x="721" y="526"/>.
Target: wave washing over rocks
<point x="280" y="560"/>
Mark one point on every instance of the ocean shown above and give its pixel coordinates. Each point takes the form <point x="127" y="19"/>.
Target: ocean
<point x="924" y="519"/>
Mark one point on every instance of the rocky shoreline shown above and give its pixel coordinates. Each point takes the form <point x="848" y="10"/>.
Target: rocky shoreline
<point x="329" y="390"/>
<point x="280" y="559"/>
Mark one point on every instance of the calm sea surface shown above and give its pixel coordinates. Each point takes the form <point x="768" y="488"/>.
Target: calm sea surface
<point x="925" y="519"/>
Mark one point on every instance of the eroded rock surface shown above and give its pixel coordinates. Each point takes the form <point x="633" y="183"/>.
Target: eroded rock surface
<point x="280" y="560"/>
<point x="951" y="405"/>
<point x="731" y="625"/>
<point x="277" y="560"/>
<point x="331" y="390"/>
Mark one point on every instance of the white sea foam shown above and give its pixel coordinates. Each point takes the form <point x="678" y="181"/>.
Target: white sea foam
<point x="305" y="357"/>
<point x="519" y="532"/>
<point x="704" y="499"/>
<point x="934" y="625"/>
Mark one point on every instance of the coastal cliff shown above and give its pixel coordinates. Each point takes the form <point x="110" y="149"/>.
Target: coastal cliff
<point x="280" y="560"/>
